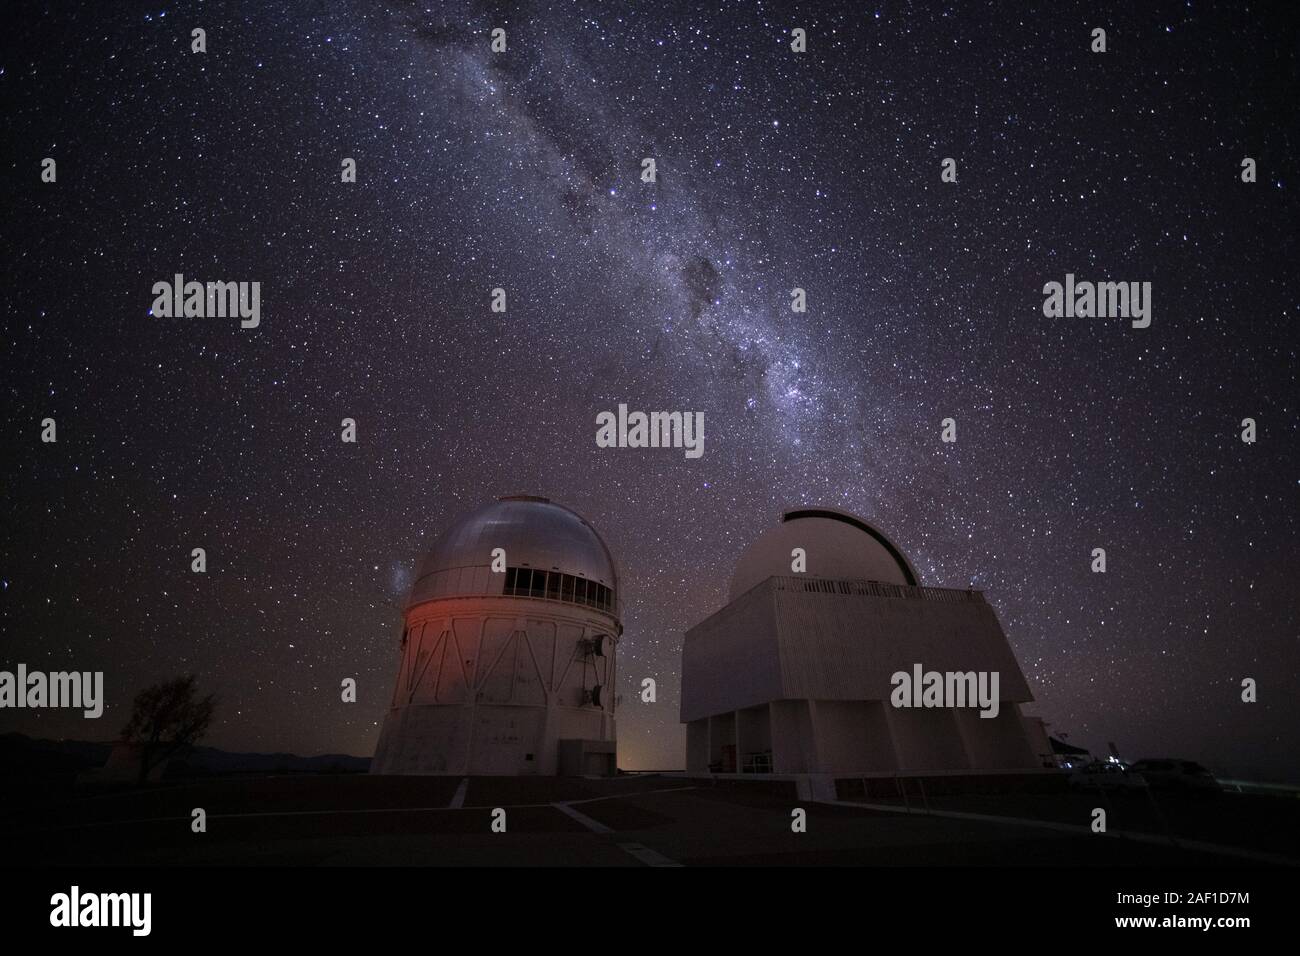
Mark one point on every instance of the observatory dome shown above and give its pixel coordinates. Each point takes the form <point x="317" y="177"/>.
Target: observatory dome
<point x="838" y="544"/>
<point x="535" y="533"/>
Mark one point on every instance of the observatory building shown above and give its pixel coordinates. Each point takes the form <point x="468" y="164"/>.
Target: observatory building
<point x="796" y="674"/>
<point x="508" y="649"/>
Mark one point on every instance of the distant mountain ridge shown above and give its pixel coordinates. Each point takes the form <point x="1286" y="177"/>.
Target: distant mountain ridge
<point x="18" y="752"/>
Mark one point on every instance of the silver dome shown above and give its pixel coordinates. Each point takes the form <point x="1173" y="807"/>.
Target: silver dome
<point x="837" y="544"/>
<point x="535" y="533"/>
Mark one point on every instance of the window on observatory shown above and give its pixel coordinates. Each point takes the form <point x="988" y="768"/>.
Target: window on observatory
<point x="519" y="586"/>
<point x="518" y="581"/>
<point x="555" y="586"/>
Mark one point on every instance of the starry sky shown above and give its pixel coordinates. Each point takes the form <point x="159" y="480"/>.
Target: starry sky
<point x="776" y="170"/>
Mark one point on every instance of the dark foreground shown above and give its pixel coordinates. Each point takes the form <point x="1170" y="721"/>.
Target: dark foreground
<point x="357" y="820"/>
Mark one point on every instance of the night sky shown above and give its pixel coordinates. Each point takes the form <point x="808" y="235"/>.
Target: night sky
<point x="776" y="170"/>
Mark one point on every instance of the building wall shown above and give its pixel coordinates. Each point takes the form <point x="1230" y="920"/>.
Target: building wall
<point x="743" y="631"/>
<point x="697" y="745"/>
<point x="490" y="685"/>
<point x="1036" y="731"/>
<point x="807" y="673"/>
<point x="722" y="742"/>
<point x="715" y="647"/>
<point x="927" y="739"/>
<point x="794" y="745"/>
<point x="852" y="734"/>
<point x="753" y="730"/>
<point x="997" y="743"/>
<point x="848" y="646"/>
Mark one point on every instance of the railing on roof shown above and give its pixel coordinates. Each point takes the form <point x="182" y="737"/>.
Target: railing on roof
<point x="868" y="588"/>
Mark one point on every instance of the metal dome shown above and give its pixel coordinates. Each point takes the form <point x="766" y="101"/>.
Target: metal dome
<point x="838" y="545"/>
<point x="535" y="533"/>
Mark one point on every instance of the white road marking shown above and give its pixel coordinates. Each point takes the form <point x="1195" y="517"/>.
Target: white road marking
<point x="637" y="850"/>
<point x="595" y="826"/>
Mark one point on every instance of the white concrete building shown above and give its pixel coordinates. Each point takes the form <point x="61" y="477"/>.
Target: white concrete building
<point x="511" y="671"/>
<point x="793" y="676"/>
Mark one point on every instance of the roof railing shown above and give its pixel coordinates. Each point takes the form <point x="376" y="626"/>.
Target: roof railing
<point x="861" y="586"/>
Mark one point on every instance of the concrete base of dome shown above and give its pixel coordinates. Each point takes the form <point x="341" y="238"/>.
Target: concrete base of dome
<point x="495" y="741"/>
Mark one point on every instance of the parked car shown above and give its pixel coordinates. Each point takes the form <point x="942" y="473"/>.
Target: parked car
<point x="1106" y="775"/>
<point x="1169" y="774"/>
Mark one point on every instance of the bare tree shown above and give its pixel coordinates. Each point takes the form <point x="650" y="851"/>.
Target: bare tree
<point x="166" y="719"/>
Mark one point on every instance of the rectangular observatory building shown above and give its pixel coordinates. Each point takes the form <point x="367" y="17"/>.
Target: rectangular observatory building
<point x="793" y="676"/>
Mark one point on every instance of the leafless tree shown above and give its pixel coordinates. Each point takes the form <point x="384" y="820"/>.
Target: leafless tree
<point x="166" y="719"/>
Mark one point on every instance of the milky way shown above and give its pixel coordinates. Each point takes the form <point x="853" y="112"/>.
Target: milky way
<point x="521" y="170"/>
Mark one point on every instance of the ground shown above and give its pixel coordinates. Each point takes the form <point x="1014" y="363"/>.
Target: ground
<point x="352" y="819"/>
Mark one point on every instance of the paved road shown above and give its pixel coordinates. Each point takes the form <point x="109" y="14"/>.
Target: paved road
<point x="644" y="821"/>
